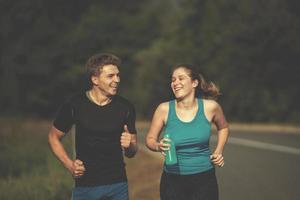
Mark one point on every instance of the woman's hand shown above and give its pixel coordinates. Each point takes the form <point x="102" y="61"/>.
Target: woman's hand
<point x="217" y="159"/>
<point x="163" y="146"/>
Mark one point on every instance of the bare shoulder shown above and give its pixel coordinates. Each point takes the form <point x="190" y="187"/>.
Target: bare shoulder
<point x="211" y="109"/>
<point x="211" y="105"/>
<point x="163" y="108"/>
<point x="161" y="112"/>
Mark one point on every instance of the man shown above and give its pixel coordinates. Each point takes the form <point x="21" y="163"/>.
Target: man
<point x="105" y="127"/>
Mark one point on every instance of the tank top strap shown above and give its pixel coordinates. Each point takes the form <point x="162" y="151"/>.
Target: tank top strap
<point x="171" y="113"/>
<point x="200" y="107"/>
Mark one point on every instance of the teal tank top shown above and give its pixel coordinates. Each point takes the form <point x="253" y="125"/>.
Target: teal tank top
<point x="191" y="141"/>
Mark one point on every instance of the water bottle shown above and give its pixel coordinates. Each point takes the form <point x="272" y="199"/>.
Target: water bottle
<point x="171" y="157"/>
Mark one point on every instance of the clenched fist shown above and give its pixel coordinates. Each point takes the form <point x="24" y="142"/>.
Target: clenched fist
<point x="77" y="169"/>
<point x="217" y="159"/>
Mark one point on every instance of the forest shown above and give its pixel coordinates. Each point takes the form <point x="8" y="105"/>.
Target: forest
<point x="249" y="48"/>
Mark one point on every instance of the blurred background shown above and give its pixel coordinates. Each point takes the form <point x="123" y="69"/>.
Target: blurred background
<point x="249" y="48"/>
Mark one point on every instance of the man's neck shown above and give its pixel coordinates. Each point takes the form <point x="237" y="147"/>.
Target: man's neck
<point x="98" y="98"/>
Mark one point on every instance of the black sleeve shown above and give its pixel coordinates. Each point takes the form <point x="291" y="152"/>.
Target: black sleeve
<point x="130" y="119"/>
<point x="64" y="118"/>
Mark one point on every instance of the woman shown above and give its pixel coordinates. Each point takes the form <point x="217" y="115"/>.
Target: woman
<point x="187" y="120"/>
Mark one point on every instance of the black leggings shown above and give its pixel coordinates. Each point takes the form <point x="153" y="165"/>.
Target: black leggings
<point x="201" y="186"/>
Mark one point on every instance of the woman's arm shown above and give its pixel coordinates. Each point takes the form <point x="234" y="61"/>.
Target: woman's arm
<point x="222" y="126"/>
<point x="218" y="118"/>
<point x="158" y="121"/>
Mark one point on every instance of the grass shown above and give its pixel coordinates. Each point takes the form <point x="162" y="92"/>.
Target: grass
<point x="29" y="170"/>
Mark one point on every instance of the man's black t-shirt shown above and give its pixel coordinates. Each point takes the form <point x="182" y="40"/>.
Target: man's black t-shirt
<point x="98" y="130"/>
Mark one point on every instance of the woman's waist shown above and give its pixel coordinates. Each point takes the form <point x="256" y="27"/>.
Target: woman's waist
<point x="193" y="152"/>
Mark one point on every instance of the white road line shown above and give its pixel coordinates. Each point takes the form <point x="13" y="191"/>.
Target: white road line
<point x="263" y="145"/>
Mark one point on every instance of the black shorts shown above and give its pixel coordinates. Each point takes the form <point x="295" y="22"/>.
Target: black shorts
<point x="200" y="186"/>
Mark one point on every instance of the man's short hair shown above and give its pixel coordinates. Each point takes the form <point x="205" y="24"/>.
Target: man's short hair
<point x="95" y="63"/>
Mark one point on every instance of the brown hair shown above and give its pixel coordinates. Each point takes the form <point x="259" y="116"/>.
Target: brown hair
<point x="96" y="62"/>
<point x="207" y="90"/>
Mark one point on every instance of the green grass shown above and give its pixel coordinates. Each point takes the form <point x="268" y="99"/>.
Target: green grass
<point x="28" y="169"/>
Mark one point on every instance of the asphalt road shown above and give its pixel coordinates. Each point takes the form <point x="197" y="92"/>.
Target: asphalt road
<point x="259" y="166"/>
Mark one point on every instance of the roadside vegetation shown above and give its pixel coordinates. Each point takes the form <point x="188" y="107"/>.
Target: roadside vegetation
<point x="29" y="170"/>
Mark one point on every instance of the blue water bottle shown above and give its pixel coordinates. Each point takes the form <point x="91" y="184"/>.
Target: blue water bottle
<point x="171" y="157"/>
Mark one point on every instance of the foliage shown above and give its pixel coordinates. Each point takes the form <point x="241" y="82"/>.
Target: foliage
<point x="246" y="47"/>
<point x="249" y="48"/>
<point x="28" y="168"/>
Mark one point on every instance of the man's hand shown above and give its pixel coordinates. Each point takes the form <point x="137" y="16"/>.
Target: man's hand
<point x="77" y="169"/>
<point x="125" y="138"/>
<point x="128" y="143"/>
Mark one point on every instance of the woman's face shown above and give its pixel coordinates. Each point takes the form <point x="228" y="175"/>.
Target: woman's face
<point x="182" y="84"/>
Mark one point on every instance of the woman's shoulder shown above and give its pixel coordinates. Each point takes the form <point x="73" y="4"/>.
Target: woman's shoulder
<point x="163" y="106"/>
<point x="162" y="111"/>
<point x="210" y="104"/>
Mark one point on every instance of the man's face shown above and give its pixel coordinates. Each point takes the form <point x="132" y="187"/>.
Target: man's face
<point x="108" y="80"/>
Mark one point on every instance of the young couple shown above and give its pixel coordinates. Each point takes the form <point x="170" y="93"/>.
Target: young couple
<point x="105" y="131"/>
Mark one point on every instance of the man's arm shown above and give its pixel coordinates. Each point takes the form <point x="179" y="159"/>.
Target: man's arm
<point x="76" y="167"/>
